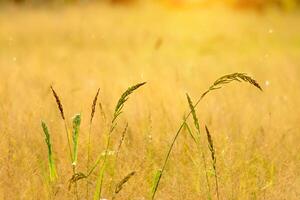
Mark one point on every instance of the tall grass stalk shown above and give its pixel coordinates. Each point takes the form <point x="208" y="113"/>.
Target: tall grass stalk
<point x="213" y="158"/>
<point x="52" y="169"/>
<point x="61" y="110"/>
<point x="218" y="84"/>
<point x="199" y="141"/>
<point x="62" y="114"/>
<point x="121" y="141"/>
<point x="117" y="155"/>
<point x="102" y="112"/>
<point x="75" y="136"/>
<point x="118" y="110"/>
<point x="93" y="109"/>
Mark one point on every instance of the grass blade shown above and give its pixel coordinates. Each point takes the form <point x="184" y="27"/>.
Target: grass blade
<point x="89" y="140"/>
<point x="213" y="158"/>
<point x="198" y="142"/>
<point x="97" y="194"/>
<point x="52" y="169"/>
<point x="192" y="109"/>
<point x="190" y="132"/>
<point x="76" y="126"/>
<point x="156" y="180"/>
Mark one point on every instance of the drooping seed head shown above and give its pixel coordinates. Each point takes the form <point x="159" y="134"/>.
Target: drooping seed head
<point x="120" y="185"/>
<point x="124" y="97"/>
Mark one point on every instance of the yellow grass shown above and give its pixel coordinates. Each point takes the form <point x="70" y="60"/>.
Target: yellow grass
<point x="80" y="48"/>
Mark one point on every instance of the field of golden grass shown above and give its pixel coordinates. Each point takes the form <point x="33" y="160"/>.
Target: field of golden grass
<point x="78" y="49"/>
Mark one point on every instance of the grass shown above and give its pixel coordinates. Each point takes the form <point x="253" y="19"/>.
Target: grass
<point x="218" y="84"/>
<point x="93" y="110"/>
<point x="75" y="136"/>
<point x="199" y="141"/>
<point x="214" y="159"/>
<point x="52" y="168"/>
<point x="118" y="111"/>
<point x="252" y="132"/>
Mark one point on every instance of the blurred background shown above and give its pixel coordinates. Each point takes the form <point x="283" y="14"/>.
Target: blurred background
<point x="240" y="4"/>
<point x="177" y="46"/>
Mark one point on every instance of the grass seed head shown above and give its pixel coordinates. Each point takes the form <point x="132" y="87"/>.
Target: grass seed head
<point x="124" y="97"/>
<point x="58" y="102"/>
<point x="94" y="106"/>
<point x="210" y="144"/>
<point x="235" y="77"/>
<point x="192" y="108"/>
<point x="120" y="185"/>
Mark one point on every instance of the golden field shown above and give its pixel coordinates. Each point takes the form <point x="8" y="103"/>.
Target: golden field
<point x="78" y="49"/>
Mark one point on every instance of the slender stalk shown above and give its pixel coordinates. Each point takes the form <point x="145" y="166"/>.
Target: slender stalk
<point x="117" y="156"/>
<point x="89" y="140"/>
<point x="68" y="139"/>
<point x="76" y="186"/>
<point x="98" y="192"/>
<point x="88" y="160"/>
<point x="206" y="173"/>
<point x="94" y="166"/>
<point x="75" y="136"/>
<point x="71" y="157"/>
<point x="200" y="142"/>
<point x="213" y="158"/>
<point x="202" y="157"/>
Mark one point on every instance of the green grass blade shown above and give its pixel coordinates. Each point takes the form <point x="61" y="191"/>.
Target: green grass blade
<point x="52" y="169"/>
<point x="156" y="180"/>
<point x="190" y="132"/>
<point x="76" y="126"/>
<point x="192" y="108"/>
<point x="98" y="190"/>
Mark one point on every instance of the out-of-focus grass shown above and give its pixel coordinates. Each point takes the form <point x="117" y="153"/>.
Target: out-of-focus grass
<point x="78" y="49"/>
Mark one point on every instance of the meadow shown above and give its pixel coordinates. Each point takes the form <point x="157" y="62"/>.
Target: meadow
<point x="78" y="49"/>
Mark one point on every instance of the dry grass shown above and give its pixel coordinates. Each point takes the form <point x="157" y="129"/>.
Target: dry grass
<point x="77" y="50"/>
